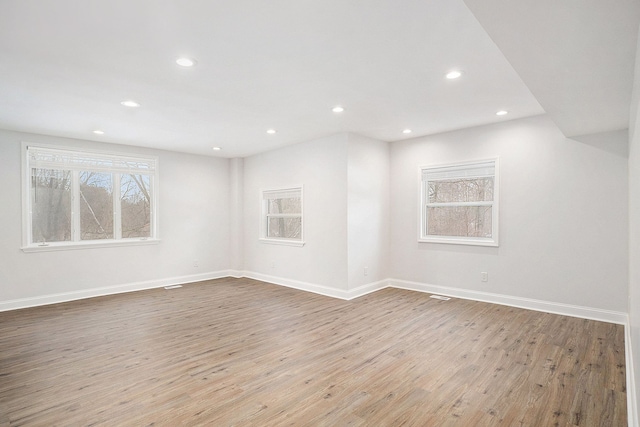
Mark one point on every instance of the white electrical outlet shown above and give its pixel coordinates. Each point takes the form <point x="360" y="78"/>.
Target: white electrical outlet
<point x="195" y="263"/>
<point x="366" y="271"/>
<point x="484" y="276"/>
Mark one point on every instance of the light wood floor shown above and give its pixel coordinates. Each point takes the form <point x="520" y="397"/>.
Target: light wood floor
<point x="237" y="352"/>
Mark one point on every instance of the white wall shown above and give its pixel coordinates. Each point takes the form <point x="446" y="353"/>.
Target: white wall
<point x="563" y="226"/>
<point x="236" y="215"/>
<point x="193" y="219"/>
<point x="634" y="226"/>
<point x="346" y="189"/>
<point x="320" y="166"/>
<point x="368" y="210"/>
<point x="563" y="221"/>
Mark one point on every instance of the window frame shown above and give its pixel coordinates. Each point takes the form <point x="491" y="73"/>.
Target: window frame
<point x="77" y="243"/>
<point x="423" y="237"/>
<point x="264" y="217"/>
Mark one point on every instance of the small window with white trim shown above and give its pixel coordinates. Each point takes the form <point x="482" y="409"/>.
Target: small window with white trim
<point x="282" y="216"/>
<point x="459" y="203"/>
<point x="77" y="198"/>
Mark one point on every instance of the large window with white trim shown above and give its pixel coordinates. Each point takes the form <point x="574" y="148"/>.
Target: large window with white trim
<point x="459" y="203"/>
<point x="282" y="216"/>
<point x="77" y="198"/>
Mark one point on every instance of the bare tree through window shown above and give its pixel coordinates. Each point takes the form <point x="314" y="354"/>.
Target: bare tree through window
<point x="459" y="203"/>
<point x="135" y="203"/>
<point x="467" y="221"/>
<point x="283" y="214"/>
<point x="284" y="227"/>
<point x="51" y="205"/>
<point x="96" y="205"/>
<point x="76" y="196"/>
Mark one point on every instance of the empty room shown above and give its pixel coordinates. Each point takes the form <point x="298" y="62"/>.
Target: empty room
<point x="306" y="213"/>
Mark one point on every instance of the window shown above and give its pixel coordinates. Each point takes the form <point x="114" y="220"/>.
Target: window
<point x="282" y="216"/>
<point x="73" y="198"/>
<point x="459" y="203"/>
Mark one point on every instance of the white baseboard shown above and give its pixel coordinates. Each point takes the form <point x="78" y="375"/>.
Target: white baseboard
<point x="108" y="290"/>
<point x="528" y="303"/>
<point x="346" y="294"/>
<point x="367" y="289"/>
<point x="512" y="301"/>
<point x="236" y="274"/>
<point x="315" y="288"/>
<point x="632" y="400"/>
<point x="296" y="284"/>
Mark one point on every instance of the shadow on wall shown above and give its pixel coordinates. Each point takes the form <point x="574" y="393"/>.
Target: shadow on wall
<point x="614" y="142"/>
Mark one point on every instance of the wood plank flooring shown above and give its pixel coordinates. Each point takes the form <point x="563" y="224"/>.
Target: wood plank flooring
<point x="237" y="352"/>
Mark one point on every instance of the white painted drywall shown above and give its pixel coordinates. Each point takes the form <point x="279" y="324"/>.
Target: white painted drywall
<point x="368" y="210"/>
<point x="320" y="166"/>
<point x="236" y="214"/>
<point x="194" y="225"/>
<point x="634" y="228"/>
<point x="563" y="220"/>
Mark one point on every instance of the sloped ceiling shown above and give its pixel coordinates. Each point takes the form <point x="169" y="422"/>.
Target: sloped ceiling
<point x="576" y="56"/>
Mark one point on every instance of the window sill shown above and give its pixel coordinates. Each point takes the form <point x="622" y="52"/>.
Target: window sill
<point x="298" y="243"/>
<point x="65" y="246"/>
<point x="459" y="241"/>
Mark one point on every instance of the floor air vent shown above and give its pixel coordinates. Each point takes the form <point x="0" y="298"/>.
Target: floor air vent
<point x="440" y="297"/>
<point x="177" y="286"/>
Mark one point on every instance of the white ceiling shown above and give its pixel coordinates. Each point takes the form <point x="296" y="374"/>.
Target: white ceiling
<point x="65" y="66"/>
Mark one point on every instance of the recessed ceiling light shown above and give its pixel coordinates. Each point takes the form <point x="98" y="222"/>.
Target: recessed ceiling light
<point x="271" y="131"/>
<point x="186" y="62"/>
<point x="406" y="131"/>
<point x="502" y="113"/>
<point x="98" y="132"/>
<point x="130" y="103"/>
<point x="453" y="74"/>
<point x="217" y="148"/>
<point x="337" y="109"/>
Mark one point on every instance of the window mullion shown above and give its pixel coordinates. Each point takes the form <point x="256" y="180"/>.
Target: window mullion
<point x="75" y="206"/>
<point x="153" y="206"/>
<point x="30" y="200"/>
<point x="117" y="205"/>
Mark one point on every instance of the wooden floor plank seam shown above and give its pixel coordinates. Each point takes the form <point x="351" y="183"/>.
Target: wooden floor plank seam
<point x="239" y="352"/>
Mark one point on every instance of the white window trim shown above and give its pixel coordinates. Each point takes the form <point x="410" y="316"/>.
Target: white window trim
<point x="89" y="244"/>
<point x="474" y="241"/>
<point x="263" y="215"/>
<point x="28" y="247"/>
